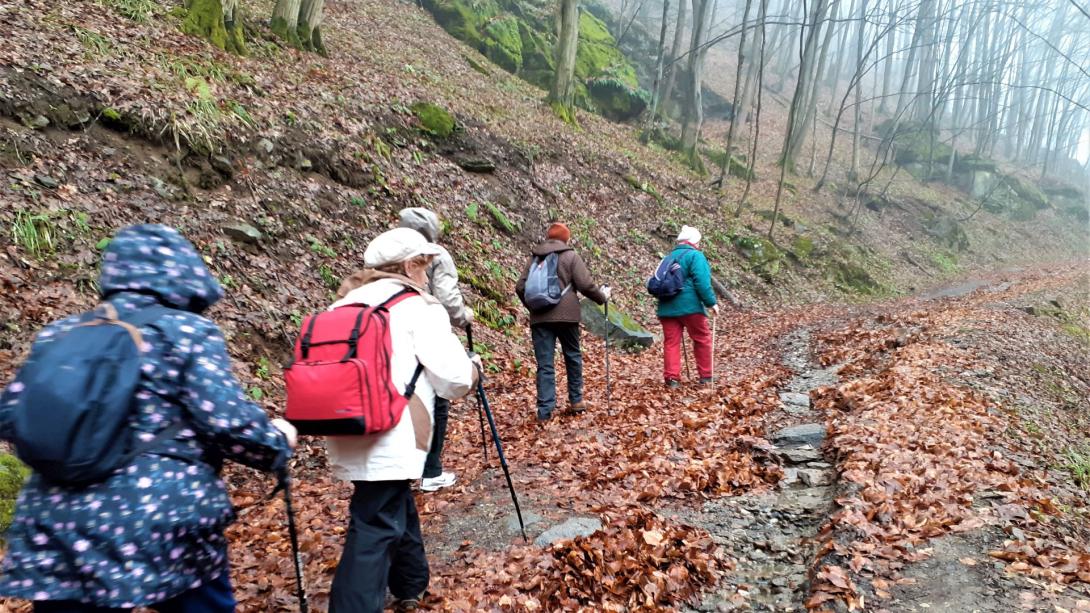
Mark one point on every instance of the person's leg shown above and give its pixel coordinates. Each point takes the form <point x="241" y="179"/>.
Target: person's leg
<point x="359" y="585"/>
<point x="671" y="348"/>
<point x="697" y="327"/>
<point x="409" y="573"/>
<point x="433" y="466"/>
<point x="544" y="352"/>
<point x="573" y="360"/>
<point x="214" y="596"/>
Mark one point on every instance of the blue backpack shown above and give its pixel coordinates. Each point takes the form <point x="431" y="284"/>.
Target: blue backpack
<point x="72" y="421"/>
<point x="543" y="290"/>
<point x="668" y="279"/>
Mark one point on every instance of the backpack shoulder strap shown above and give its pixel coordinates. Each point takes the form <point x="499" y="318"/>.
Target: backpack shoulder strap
<point x="390" y="302"/>
<point x="394" y="300"/>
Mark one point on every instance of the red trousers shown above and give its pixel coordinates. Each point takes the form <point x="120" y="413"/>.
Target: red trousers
<point x="672" y="337"/>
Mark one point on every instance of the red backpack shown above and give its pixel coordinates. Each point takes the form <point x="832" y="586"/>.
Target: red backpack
<point x="339" y="381"/>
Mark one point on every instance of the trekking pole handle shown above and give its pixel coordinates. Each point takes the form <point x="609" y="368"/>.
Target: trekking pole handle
<point x="469" y="336"/>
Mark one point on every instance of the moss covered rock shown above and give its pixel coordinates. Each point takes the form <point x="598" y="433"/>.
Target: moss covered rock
<point x="764" y="258"/>
<point x="623" y="331"/>
<point x="434" y="119"/>
<point x="738" y="166"/>
<point x="12" y="476"/>
<point x="520" y="38"/>
<point x="503" y="43"/>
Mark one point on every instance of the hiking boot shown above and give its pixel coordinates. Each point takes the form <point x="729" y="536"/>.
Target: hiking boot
<point x="673" y="384"/>
<point x="578" y="407"/>
<point x="543" y="417"/>
<point x="434" y="484"/>
<point x="408" y="604"/>
<point x="705" y="381"/>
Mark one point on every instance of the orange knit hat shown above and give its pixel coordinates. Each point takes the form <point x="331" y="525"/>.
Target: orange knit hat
<point x="559" y="231"/>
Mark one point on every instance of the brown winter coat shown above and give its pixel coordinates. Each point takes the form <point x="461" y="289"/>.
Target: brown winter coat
<point x="570" y="268"/>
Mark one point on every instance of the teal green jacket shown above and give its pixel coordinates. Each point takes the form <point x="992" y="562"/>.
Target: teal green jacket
<point x="697" y="292"/>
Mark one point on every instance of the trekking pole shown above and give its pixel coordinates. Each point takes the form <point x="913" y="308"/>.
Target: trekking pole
<point x="499" y="452"/>
<point x="285" y="484"/>
<point x="609" y="395"/>
<point x="480" y="411"/>
<point x="685" y="353"/>
<point x="715" y="326"/>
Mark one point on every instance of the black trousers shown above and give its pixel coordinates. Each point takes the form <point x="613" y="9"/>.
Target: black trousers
<point x="383" y="549"/>
<point x="433" y="466"/>
<point x="544" y="337"/>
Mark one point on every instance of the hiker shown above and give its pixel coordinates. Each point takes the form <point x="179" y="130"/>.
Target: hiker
<point x="443" y="284"/>
<point x="151" y="532"/>
<point x="686" y="310"/>
<point x="384" y="547"/>
<point x="547" y="288"/>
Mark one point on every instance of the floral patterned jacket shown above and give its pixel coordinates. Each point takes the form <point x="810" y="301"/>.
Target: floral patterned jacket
<point x="155" y="528"/>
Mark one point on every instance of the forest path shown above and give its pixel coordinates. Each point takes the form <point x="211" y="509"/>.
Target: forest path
<point x="577" y="470"/>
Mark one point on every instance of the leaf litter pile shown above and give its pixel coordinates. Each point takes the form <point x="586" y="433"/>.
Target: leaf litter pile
<point x="921" y="454"/>
<point x="614" y="465"/>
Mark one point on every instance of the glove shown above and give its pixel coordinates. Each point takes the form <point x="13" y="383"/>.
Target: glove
<point x="476" y="359"/>
<point x="469" y="316"/>
<point x="715" y="309"/>
<point x="606" y="291"/>
<point x="289" y="431"/>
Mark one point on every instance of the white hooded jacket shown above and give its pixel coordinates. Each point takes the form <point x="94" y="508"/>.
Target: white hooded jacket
<point x="419" y="331"/>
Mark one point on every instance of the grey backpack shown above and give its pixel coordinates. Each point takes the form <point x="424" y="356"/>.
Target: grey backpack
<point x="543" y="290"/>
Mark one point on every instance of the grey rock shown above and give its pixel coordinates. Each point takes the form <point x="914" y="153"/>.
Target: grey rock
<point x="804" y="434"/>
<point x="223" y="166"/>
<point x="529" y="518"/>
<point x="574" y="527"/>
<point x="819" y="465"/>
<point x="790" y="477"/>
<point x="160" y="187"/>
<point x="801" y="455"/>
<point x="795" y="399"/>
<point x="39" y="122"/>
<point x="623" y="331"/>
<point x="473" y="164"/>
<point x="814" y="477"/>
<point x="265" y="145"/>
<point x="47" y="181"/>
<point x="243" y="232"/>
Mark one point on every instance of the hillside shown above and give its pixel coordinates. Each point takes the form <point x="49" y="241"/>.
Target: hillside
<point x="280" y="166"/>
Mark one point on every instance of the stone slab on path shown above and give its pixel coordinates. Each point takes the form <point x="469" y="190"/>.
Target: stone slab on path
<point x="573" y="527"/>
<point x="804" y="434"/>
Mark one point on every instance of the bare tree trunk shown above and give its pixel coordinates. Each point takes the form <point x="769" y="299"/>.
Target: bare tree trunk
<point x="659" y="64"/>
<point x="667" y="95"/>
<point x="761" y="35"/>
<point x="562" y="95"/>
<point x="853" y="170"/>
<point x="888" y="75"/>
<point x="724" y="168"/>
<point x="925" y="86"/>
<point x="310" y="25"/>
<point x="798" y="115"/>
<point x="285" y="19"/>
<point x="694" y="112"/>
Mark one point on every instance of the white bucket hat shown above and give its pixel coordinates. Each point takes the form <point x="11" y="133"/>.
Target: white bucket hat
<point x="688" y="234"/>
<point x="397" y="245"/>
